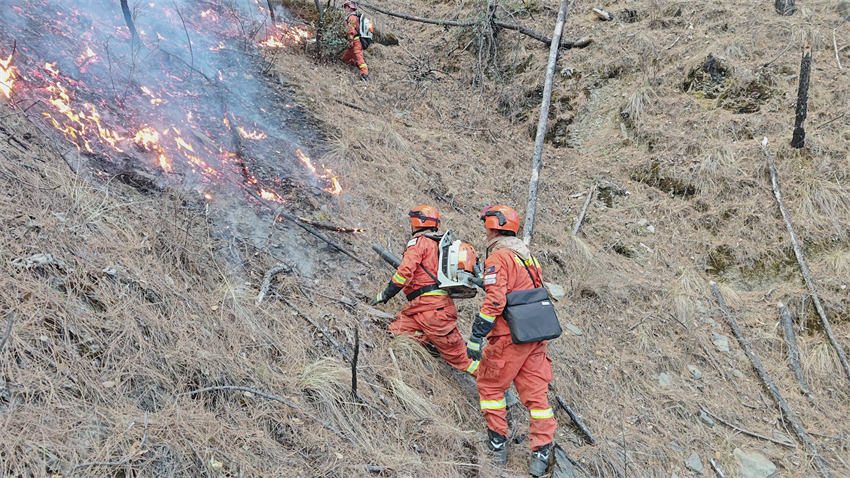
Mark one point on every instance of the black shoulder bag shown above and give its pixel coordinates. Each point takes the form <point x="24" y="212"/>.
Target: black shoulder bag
<point x="530" y="314"/>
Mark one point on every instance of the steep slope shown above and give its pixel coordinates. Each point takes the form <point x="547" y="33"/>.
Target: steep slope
<point x="148" y="296"/>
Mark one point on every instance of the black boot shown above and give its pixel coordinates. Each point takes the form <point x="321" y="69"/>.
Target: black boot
<point x="539" y="460"/>
<point x="497" y="444"/>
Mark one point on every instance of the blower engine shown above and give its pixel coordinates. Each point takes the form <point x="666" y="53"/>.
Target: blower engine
<point x="459" y="270"/>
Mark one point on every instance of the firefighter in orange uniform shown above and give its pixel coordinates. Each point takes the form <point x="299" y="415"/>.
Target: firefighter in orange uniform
<point x="354" y="54"/>
<point x="509" y="266"/>
<point x="430" y="315"/>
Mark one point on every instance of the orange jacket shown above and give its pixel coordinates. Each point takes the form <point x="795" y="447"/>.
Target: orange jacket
<point x="504" y="272"/>
<point x="354" y="54"/>
<point x="421" y="253"/>
<point x="352" y="28"/>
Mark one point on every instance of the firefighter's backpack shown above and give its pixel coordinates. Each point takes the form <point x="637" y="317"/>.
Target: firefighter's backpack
<point x="366" y="30"/>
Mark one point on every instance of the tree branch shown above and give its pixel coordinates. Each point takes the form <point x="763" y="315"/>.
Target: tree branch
<point x="580" y="43"/>
<point x="11" y="318"/>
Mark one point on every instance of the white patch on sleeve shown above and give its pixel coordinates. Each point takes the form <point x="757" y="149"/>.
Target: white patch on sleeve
<point x="489" y="279"/>
<point x="412" y="242"/>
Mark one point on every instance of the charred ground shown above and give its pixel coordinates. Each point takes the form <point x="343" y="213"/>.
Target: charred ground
<point x="145" y="297"/>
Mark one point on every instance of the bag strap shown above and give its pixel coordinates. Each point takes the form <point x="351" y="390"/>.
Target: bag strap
<point x="529" y="271"/>
<point x="432" y="276"/>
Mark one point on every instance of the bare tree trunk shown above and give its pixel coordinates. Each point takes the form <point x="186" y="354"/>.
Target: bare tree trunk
<point x="271" y="11"/>
<point x="319" y="29"/>
<point x="799" y="138"/>
<point x="784" y="7"/>
<point x="128" y="18"/>
<point x="537" y="160"/>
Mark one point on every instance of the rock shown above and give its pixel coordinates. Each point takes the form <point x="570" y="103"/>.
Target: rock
<point x="737" y="373"/>
<point x="650" y="229"/>
<point x="642" y="223"/>
<point x="555" y="291"/>
<point x="721" y="342"/>
<point x="695" y="372"/>
<point x="844" y="7"/>
<point x="665" y="379"/>
<point x="753" y="464"/>
<point x="694" y="464"/>
<point x="574" y="330"/>
<point x="706" y="419"/>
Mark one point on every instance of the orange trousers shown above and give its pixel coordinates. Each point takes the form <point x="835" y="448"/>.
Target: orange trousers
<point x="528" y="367"/>
<point x="433" y="320"/>
<point x="354" y="56"/>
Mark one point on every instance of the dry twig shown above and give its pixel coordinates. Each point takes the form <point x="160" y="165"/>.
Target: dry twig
<point x="580" y="219"/>
<point x="267" y="281"/>
<point x="787" y="414"/>
<point x="745" y="431"/>
<point x="801" y="260"/>
<point x="716" y="468"/>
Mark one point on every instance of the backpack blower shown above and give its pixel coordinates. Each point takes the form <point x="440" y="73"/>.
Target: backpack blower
<point x="458" y="272"/>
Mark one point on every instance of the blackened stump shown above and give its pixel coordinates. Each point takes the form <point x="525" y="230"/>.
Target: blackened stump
<point x="799" y="137"/>
<point x="784" y="7"/>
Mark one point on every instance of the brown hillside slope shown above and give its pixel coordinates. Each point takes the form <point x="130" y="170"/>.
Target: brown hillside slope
<point x="97" y="364"/>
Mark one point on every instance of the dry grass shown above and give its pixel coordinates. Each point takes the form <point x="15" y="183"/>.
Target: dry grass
<point x="90" y="353"/>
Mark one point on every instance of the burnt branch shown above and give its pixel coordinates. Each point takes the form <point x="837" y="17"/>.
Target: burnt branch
<point x="128" y="17"/>
<point x="576" y="419"/>
<point x="354" y="362"/>
<point x="799" y="138"/>
<point x="271" y="11"/>
<point x="581" y="215"/>
<point x="781" y="404"/>
<point x="744" y="430"/>
<point x="784" y="7"/>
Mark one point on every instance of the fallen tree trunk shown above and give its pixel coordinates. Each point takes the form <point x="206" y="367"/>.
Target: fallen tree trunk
<point x="537" y="156"/>
<point x="801" y="260"/>
<point x="791" y="347"/>
<point x="580" y="43"/>
<point x="771" y="387"/>
<point x="799" y="137"/>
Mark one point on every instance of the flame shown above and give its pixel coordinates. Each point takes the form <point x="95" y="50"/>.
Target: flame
<point x="251" y="134"/>
<point x="147" y="138"/>
<point x="270" y="195"/>
<point x="78" y="125"/>
<point x="165" y="164"/>
<point x="155" y="100"/>
<point x="327" y="174"/>
<point x="7" y="76"/>
<point x="286" y="34"/>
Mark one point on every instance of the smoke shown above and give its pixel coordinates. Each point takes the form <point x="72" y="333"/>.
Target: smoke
<point x="188" y="100"/>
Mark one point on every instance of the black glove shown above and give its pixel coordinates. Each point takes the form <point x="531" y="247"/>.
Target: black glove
<point x="473" y="347"/>
<point x="379" y="299"/>
<point x="364" y="77"/>
<point x="388" y="293"/>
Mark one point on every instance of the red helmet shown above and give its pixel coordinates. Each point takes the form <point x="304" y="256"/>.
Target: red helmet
<point x="349" y="4"/>
<point x="502" y="218"/>
<point x="424" y="216"/>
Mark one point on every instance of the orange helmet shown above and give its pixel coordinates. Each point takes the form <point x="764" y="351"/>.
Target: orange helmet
<point x="502" y="218"/>
<point x="349" y="4"/>
<point x="466" y="258"/>
<point x="424" y="216"/>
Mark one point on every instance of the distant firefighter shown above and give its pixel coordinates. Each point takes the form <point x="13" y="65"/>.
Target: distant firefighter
<point x="517" y="318"/>
<point x="430" y="315"/>
<point x="358" y="30"/>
